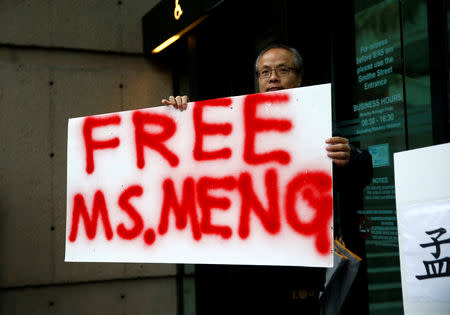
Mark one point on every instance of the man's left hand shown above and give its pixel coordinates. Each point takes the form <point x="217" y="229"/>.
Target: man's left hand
<point x="338" y="150"/>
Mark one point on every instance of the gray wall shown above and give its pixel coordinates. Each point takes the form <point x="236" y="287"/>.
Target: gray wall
<point x="59" y="59"/>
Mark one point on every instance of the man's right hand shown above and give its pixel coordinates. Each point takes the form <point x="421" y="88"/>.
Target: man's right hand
<point x="179" y="102"/>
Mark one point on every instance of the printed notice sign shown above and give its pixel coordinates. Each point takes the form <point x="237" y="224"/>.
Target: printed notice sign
<point x="423" y="209"/>
<point x="240" y="180"/>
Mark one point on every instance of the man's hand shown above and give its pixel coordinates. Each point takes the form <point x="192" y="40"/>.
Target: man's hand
<point x="338" y="150"/>
<point x="179" y="102"/>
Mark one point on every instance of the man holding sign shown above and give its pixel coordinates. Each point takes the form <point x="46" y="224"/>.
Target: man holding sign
<point x="280" y="67"/>
<point x="155" y="185"/>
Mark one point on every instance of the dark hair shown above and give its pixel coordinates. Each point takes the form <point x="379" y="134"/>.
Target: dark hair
<point x="298" y="60"/>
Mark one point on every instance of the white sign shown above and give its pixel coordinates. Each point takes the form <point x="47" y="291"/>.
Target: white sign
<point x="241" y="180"/>
<point x="422" y="184"/>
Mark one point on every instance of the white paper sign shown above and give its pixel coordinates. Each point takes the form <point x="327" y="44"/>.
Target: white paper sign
<point x="422" y="183"/>
<point x="426" y="250"/>
<point x="241" y="180"/>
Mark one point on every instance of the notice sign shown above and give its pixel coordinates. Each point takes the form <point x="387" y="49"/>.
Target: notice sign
<point x="240" y="180"/>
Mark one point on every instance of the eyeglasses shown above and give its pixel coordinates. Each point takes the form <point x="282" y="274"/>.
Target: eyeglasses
<point x="280" y="72"/>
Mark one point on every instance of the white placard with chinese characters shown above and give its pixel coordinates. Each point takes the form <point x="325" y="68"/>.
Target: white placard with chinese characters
<point x="422" y="184"/>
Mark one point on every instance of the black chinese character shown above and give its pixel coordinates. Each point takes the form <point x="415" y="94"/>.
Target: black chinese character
<point x="435" y="241"/>
<point x="436" y="269"/>
<point x="439" y="267"/>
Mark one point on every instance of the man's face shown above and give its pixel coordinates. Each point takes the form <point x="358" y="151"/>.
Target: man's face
<point x="277" y="58"/>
